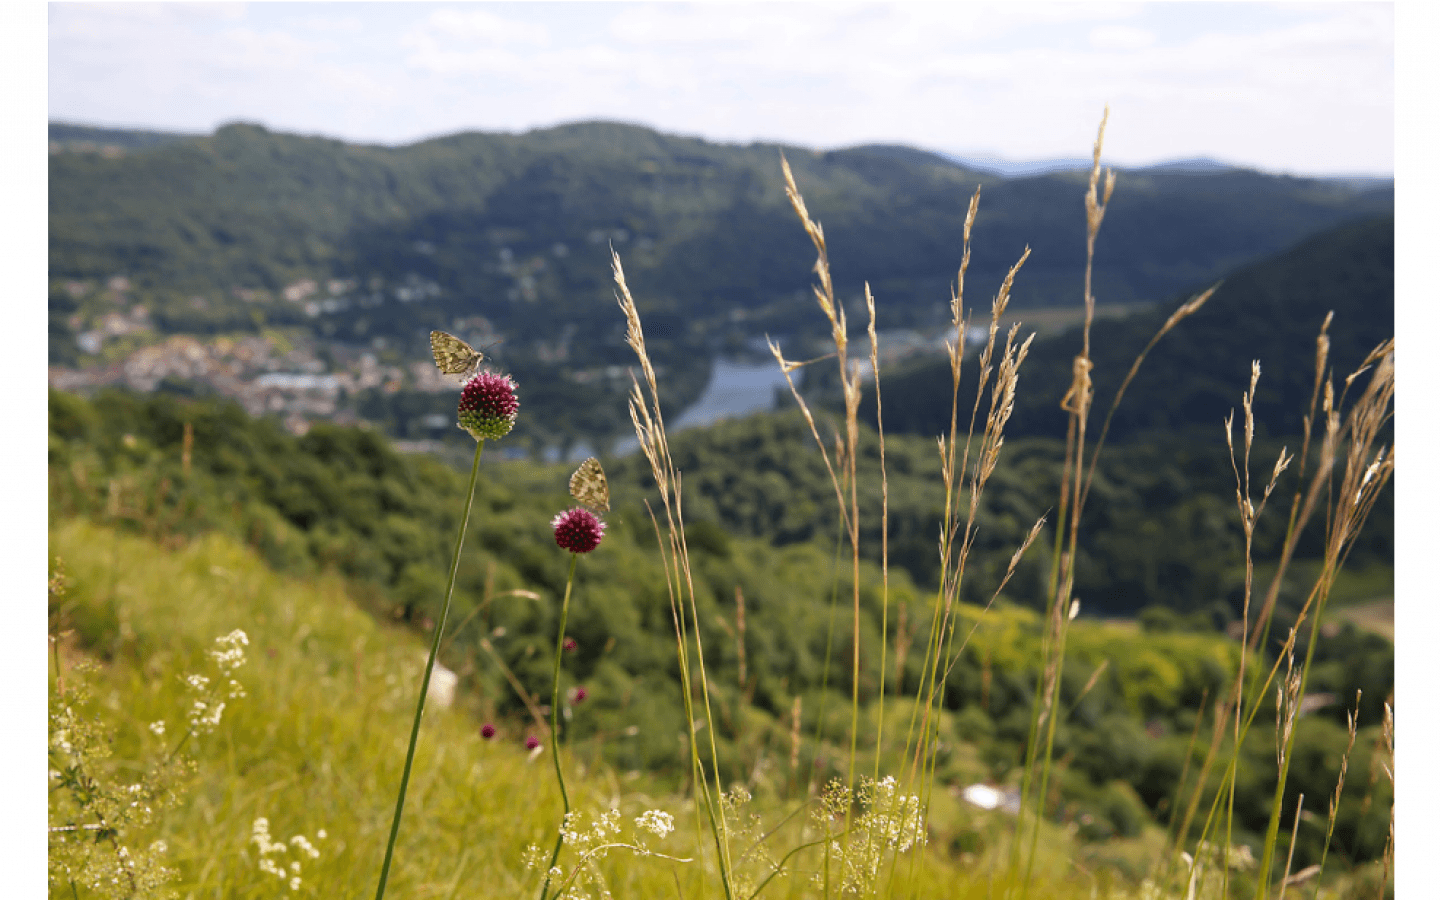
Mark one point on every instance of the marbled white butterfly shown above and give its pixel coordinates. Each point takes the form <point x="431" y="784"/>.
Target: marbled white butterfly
<point x="454" y="356"/>
<point x="589" y="488"/>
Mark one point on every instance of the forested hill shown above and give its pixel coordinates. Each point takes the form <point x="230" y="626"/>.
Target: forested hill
<point x="1269" y="311"/>
<point x="703" y="227"/>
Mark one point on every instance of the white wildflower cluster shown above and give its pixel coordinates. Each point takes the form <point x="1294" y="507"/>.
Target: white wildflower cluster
<point x="229" y="652"/>
<point x="1239" y="856"/>
<point x="834" y="803"/>
<point x="746" y="830"/>
<point x="157" y="728"/>
<point x="141" y="873"/>
<point x="606" y="826"/>
<point x="656" y="822"/>
<point x="576" y="876"/>
<point x="890" y="817"/>
<point x="1149" y="890"/>
<point x="532" y="857"/>
<point x="1202" y="876"/>
<point x="207" y="708"/>
<point x="272" y="853"/>
<point x="891" y="822"/>
<point x="205" y="715"/>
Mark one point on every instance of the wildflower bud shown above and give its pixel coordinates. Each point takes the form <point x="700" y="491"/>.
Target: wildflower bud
<point x="487" y="731"/>
<point x="570" y="645"/>
<point x="578" y="694"/>
<point x="488" y="406"/>
<point x="578" y="530"/>
<point x="532" y="742"/>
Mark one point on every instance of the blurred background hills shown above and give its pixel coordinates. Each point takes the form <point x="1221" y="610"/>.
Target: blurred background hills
<point x="300" y="275"/>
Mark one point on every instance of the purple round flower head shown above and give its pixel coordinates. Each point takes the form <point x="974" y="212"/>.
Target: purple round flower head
<point x="487" y="731"/>
<point x="570" y="645"/>
<point x="532" y="742"/>
<point x="578" y="530"/>
<point x="581" y="694"/>
<point x="488" y="406"/>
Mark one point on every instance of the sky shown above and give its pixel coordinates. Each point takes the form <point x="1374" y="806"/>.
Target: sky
<point x="1285" y="87"/>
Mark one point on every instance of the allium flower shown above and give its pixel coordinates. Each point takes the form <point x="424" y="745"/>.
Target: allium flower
<point x="578" y="530"/>
<point x="532" y="742"/>
<point x="487" y="731"/>
<point x="488" y="406"/>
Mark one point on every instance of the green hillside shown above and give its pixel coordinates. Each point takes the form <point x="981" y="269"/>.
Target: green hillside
<point x="349" y="250"/>
<point x="339" y="499"/>
<point x="251" y="208"/>
<point x="339" y="502"/>
<point x="1270" y="311"/>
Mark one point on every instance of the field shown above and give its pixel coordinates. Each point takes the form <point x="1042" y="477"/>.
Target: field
<point x="236" y="711"/>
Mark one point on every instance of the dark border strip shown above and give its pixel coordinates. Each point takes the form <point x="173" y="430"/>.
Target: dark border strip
<point x="1417" y="448"/>
<point x="23" y="478"/>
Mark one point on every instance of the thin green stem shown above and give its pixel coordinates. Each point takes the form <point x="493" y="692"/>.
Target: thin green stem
<point x="429" y="667"/>
<point x="555" y="723"/>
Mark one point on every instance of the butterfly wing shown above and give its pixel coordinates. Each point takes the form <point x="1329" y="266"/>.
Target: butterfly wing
<point x="452" y="355"/>
<point x="589" y="487"/>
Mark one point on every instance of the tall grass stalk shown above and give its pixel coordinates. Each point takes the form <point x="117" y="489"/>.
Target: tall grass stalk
<point x="846" y="453"/>
<point x="941" y="651"/>
<point x="649" y="424"/>
<point x="429" y="667"/>
<point x="1366" y="471"/>
<point x="555" y="726"/>
<point x="1076" y="403"/>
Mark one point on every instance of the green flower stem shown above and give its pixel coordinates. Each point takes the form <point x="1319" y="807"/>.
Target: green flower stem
<point x="429" y="667"/>
<point x="555" y="722"/>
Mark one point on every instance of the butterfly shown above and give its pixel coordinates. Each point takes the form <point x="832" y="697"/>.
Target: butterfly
<point x="454" y="356"/>
<point x="589" y="487"/>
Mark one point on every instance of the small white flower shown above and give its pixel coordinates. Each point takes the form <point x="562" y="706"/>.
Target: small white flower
<point x="656" y="822"/>
<point x="157" y="727"/>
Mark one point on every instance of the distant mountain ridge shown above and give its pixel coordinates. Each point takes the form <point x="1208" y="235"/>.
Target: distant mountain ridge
<point x="507" y="237"/>
<point x="1020" y="168"/>
<point x="71" y="135"/>
<point x="247" y="207"/>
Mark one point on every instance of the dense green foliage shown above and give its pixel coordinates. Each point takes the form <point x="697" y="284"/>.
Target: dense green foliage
<point x="512" y="233"/>
<point x="341" y="499"/>
<point x="247" y="207"/>
<point x="1270" y="311"/>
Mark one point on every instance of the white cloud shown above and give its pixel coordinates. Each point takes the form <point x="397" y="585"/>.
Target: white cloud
<point x="1255" y="83"/>
<point x="1120" y="37"/>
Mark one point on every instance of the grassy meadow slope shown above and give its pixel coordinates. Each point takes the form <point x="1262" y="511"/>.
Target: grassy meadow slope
<point x="315" y="743"/>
